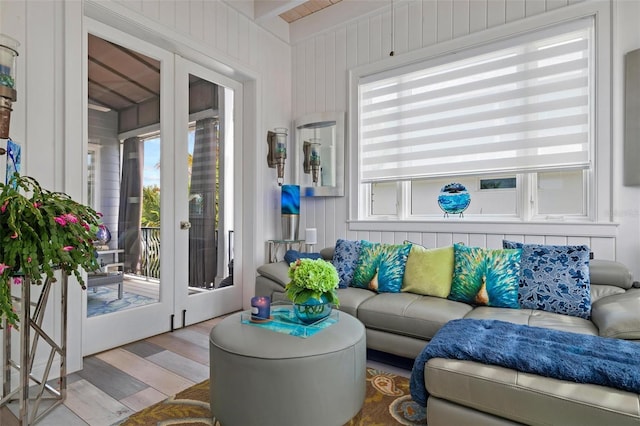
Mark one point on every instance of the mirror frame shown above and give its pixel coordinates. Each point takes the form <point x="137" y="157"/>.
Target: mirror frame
<point x="307" y="121"/>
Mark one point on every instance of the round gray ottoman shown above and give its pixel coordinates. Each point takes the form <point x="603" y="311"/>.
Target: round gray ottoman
<point x="260" y="377"/>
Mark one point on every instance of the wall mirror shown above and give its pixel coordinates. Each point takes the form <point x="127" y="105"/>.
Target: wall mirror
<point x="319" y="154"/>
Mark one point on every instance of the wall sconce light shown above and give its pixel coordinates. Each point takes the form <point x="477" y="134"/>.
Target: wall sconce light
<point x="277" y="141"/>
<point x="311" y="162"/>
<point x="8" y="94"/>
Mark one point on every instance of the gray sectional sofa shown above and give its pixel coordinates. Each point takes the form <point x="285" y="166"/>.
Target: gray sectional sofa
<point x="465" y="392"/>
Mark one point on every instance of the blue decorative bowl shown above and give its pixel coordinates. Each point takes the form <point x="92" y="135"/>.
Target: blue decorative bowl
<point x="454" y="199"/>
<point x="313" y="310"/>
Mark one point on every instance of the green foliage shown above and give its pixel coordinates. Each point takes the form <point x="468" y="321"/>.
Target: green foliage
<point x="312" y="278"/>
<point x="151" y="207"/>
<point x="39" y="233"/>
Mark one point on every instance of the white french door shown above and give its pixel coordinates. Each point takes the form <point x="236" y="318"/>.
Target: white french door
<point x="206" y="129"/>
<point x="189" y="227"/>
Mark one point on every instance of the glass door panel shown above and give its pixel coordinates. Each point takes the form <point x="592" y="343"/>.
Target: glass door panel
<point x="205" y="288"/>
<point x="130" y="129"/>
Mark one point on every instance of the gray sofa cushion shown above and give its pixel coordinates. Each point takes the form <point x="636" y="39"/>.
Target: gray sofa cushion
<point x="618" y="315"/>
<point x="409" y="314"/>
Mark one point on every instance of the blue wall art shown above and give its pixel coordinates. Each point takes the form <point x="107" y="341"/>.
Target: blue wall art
<point x="454" y="199"/>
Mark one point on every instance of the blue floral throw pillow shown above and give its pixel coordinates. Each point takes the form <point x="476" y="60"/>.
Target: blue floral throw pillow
<point x="555" y="278"/>
<point x="345" y="258"/>
<point x="381" y="266"/>
<point x="486" y="276"/>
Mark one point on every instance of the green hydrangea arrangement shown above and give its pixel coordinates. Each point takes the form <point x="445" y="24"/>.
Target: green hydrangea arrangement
<point x="41" y="232"/>
<point x="312" y="278"/>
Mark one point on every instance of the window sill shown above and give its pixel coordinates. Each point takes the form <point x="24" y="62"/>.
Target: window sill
<point x="472" y="226"/>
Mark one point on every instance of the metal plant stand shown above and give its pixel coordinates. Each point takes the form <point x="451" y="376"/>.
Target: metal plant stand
<point x="31" y="409"/>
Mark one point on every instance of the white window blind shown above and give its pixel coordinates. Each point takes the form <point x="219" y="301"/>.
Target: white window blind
<point x="518" y="105"/>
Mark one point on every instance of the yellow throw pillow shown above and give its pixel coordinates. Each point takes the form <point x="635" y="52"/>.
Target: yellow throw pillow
<point x="429" y="271"/>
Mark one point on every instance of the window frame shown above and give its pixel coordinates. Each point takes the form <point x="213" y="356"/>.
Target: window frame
<point x="600" y="174"/>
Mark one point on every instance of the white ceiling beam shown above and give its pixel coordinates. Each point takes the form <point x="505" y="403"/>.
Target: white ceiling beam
<point x="265" y="9"/>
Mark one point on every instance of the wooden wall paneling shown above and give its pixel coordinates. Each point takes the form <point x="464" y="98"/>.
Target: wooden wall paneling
<point x="232" y="31"/>
<point x="362" y="34"/>
<point x="151" y="9"/>
<point x="401" y="30"/>
<point x="327" y="234"/>
<point x="495" y="13"/>
<point x="415" y="25"/>
<point x="555" y="240"/>
<point x="166" y="12"/>
<point x="578" y="241"/>
<point x="430" y="240"/>
<point x="385" y="237"/>
<point x="443" y="240"/>
<point x="341" y="87"/>
<point x="429" y="23"/>
<point x="221" y="26"/>
<point x="243" y="38"/>
<point x="514" y="10"/>
<point x="135" y="5"/>
<point x="477" y="240"/>
<point x="330" y="72"/>
<point x="183" y="18"/>
<point x="555" y="4"/>
<point x="196" y="19"/>
<point x="460" y="18"/>
<point x="310" y="76"/>
<point x="299" y="86"/>
<point x="375" y="39"/>
<point x="209" y="23"/>
<point x="534" y="239"/>
<point x="604" y="248"/>
<point x="460" y="238"/>
<point x="321" y="74"/>
<point x="386" y="34"/>
<point x="535" y="7"/>
<point x="494" y="240"/>
<point x="444" y="20"/>
<point x="352" y="46"/>
<point x="415" y="237"/>
<point x="511" y="237"/>
<point x="256" y="37"/>
<point x="477" y="15"/>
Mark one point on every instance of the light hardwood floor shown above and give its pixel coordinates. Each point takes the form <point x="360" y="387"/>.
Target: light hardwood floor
<point x="119" y="382"/>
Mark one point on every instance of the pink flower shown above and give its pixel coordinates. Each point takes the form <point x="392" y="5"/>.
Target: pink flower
<point x="14" y="236"/>
<point x="17" y="280"/>
<point x="3" y="267"/>
<point x="4" y="206"/>
<point x="86" y="226"/>
<point x="70" y="218"/>
<point x="99" y="214"/>
<point x="68" y="248"/>
<point x="60" y="220"/>
<point x="29" y="259"/>
<point x="37" y="205"/>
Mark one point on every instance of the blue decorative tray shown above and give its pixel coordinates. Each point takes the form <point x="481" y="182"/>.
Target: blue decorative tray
<point x="283" y="320"/>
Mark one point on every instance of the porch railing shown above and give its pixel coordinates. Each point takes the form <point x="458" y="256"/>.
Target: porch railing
<point x="150" y="252"/>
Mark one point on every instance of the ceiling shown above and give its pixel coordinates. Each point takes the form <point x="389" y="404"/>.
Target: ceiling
<point x="306" y="9"/>
<point x="119" y="78"/>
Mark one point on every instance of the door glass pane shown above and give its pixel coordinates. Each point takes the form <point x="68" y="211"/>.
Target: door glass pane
<point x="124" y="123"/>
<point x="209" y="261"/>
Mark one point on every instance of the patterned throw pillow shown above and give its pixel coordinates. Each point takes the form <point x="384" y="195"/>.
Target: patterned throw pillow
<point x="429" y="271"/>
<point x="292" y="255"/>
<point x="345" y="258"/>
<point x="555" y="278"/>
<point x="486" y="276"/>
<point x="381" y="266"/>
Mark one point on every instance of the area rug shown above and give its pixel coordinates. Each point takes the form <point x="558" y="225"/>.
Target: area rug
<point x="387" y="403"/>
<point x="104" y="300"/>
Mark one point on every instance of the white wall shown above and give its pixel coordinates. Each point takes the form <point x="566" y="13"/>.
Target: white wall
<point x="320" y="67"/>
<point x="47" y="118"/>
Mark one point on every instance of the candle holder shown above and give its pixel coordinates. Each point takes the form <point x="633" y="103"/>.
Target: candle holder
<point x="260" y="308"/>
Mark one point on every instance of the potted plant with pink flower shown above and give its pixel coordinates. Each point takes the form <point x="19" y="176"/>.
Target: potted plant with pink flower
<point x="40" y="232"/>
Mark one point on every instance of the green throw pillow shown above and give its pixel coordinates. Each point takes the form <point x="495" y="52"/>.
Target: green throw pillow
<point x="429" y="271"/>
<point x="486" y="276"/>
<point x="380" y="266"/>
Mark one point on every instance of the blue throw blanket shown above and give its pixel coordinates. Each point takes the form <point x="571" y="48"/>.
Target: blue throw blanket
<point x="562" y="355"/>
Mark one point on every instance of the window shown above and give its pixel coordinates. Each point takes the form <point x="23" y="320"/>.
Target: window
<point x="93" y="175"/>
<point x="513" y="121"/>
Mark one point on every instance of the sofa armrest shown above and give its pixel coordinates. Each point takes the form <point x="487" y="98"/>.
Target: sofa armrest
<point x="618" y="315"/>
<point x="277" y="272"/>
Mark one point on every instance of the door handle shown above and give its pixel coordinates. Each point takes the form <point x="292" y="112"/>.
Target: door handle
<point x="185" y="224"/>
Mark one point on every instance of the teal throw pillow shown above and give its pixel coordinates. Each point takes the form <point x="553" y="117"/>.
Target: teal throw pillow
<point x="381" y="266"/>
<point x="488" y="277"/>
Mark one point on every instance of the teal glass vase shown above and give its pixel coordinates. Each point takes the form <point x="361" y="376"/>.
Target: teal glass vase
<point x="313" y="310"/>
